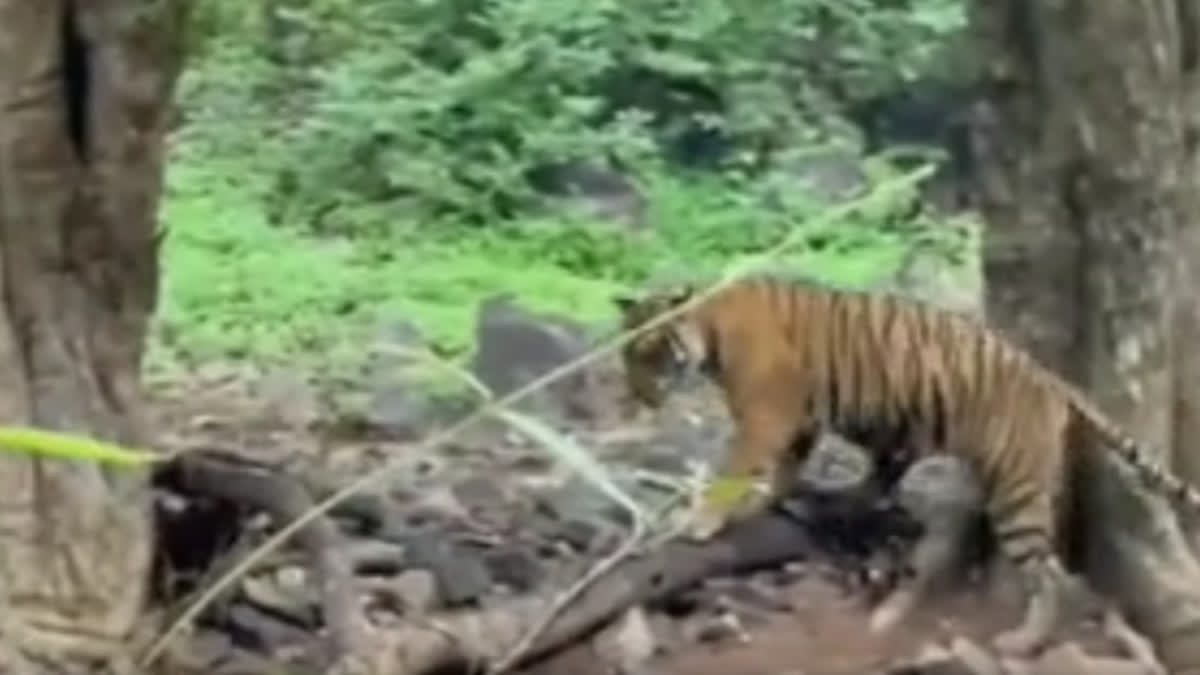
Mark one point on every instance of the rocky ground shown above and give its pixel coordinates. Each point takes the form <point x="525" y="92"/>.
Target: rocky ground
<point x="482" y="520"/>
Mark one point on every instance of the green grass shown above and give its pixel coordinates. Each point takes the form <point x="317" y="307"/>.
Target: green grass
<point x="235" y="287"/>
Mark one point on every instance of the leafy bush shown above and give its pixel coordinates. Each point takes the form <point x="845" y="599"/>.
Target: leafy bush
<point x="440" y="109"/>
<point x="236" y="287"/>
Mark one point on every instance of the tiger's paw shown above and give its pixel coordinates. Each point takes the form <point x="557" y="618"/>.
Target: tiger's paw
<point x="1020" y="643"/>
<point x="725" y="499"/>
<point x="704" y="523"/>
<point x="1046" y="581"/>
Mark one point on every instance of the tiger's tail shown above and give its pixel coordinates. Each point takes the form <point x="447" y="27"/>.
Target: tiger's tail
<point x="1137" y="455"/>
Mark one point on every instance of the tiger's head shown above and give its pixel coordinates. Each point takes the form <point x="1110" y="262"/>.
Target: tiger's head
<point x="667" y="352"/>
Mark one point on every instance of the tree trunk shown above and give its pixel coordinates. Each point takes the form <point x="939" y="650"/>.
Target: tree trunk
<point x="1085" y="164"/>
<point x="85" y="89"/>
<point x="1185" y="454"/>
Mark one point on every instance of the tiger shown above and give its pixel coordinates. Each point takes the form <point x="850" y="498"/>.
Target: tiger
<point x="792" y="357"/>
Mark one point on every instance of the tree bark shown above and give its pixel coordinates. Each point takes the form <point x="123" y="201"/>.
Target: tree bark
<point x="1185" y="454"/>
<point x="85" y="90"/>
<point x="1085" y="160"/>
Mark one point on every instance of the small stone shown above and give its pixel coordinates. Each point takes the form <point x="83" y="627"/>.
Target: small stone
<point x="716" y="627"/>
<point x="462" y="576"/>
<point x="516" y="568"/>
<point x="441" y="502"/>
<point x="292" y="577"/>
<point x="628" y="642"/>
<point x="202" y="650"/>
<point x="296" y="603"/>
<point x="417" y="590"/>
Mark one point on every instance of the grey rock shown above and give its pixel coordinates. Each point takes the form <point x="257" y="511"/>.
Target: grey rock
<point x="830" y="174"/>
<point x="944" y="494"/>
<point x="388" y="397"/>
<point x="836" y="465"/>
<point x="462" y="576"/>
<point x="416" y="590"/>
<point x="937" y="482"/>
<point x="289" y="397"/>
<point x="516" y="568"/>
<point x="715" y="627"/>
<point x="515" y="346"/>
<point x="402" y="410"/>
<point x="595" y="192"/>
<point x="297" y="603"/>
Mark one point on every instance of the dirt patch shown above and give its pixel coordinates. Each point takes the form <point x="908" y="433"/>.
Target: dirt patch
<point x="826" y="634"/>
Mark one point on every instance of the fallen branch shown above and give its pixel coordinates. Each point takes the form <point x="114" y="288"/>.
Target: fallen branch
<point x="483" y="637"/>
<point x="604" y="567"/>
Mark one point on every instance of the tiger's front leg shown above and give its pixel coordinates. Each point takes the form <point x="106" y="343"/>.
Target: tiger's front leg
<point x="758" y="466"/>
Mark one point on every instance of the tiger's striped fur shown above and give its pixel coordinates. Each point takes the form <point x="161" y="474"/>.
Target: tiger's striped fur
<point x="793" y="358"/>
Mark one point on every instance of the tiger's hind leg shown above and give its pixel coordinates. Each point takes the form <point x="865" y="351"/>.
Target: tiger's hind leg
<point x="1044" y="582"/>
<point x="1024" y="474"/>
<point x="1026" y="538"/>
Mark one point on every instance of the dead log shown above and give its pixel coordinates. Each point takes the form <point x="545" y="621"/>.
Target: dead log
<point x="450" y="641"/>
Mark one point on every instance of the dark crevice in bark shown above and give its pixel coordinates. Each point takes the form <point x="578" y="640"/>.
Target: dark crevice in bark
<point x="19" y="322"/>
<point x="1075" y="210"/>
<point x="1189" y="50"/>
<point x="1023" y="31"/>
<point x="76" y="80"/>
<point x="1188" y="19"/>
<point x="80" y="177"/>
<point x="1190" y="138"/>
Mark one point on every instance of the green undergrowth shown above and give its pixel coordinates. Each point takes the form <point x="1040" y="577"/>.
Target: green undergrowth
<point x="236" y="287"/>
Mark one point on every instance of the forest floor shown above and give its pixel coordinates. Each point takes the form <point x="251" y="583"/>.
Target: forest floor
<point x="521" y="520"/>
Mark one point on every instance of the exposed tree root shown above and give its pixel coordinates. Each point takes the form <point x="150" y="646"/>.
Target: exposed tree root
<point x="228" y="477"/>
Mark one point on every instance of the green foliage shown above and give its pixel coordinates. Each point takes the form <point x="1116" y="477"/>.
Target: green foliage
<point x="235" y="287"/>
<point x="440" y="109"/>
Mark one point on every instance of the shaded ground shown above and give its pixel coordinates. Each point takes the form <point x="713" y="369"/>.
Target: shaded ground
<point x="825" y="634"/>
